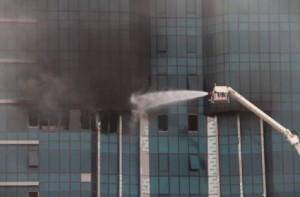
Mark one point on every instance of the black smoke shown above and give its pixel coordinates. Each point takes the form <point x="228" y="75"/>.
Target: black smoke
<point x="85" y="59"/>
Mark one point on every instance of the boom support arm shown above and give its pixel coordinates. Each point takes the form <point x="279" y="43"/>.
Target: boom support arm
<point x="221" y="94"/>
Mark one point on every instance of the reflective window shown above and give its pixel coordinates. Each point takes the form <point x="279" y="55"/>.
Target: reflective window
<point x="191" y="44"/>
<point x="194" y="163"/>
<point x="192" y="83"/>
<point x="33" y="159"/>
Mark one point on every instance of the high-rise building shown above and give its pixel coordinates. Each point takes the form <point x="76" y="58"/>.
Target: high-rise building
<point x="69" y="67"/>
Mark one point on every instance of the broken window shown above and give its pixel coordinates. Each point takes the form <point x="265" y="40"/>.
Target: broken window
<point x="109" y="123"/>
<point x="34" y="118"/>
<point x="53" y="117"/>
<point x="93" y="119"/>
<point x="49" y="119"/>
<point x="85" y="119"/>
<point x="43" y="118"/>
<point x="64" y="119"/>
<point x="162" y="122"/>
<point x="193" y="122"/>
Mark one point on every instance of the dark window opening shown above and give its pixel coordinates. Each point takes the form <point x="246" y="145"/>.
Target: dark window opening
<point x="53" y="117"/>
<point x="93" y="121"/>
<point x="88" y="120"/>
<point x="33" y="159"/>
<point x="109" y="123"/>
<point x="64" y="119"/>
<point x="34" y="118"/>
<point x="85" y="119"/>
<point x="49" y="119"/>
<point x="33" y="194"/>
<point x="43" y="118"/>
<point x="194" y="163"/>
<point x="162" y="121"/>
<point x="193" y="123"/>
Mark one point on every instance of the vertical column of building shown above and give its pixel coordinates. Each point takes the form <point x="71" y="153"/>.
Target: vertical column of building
<point x="263" y="165"/>
<point x="213" y="157"/>
<point x="120" y="156"/>
<point x="98" y="122"/>
<point x="240" y="154"/>
<point x="144" y="157"/>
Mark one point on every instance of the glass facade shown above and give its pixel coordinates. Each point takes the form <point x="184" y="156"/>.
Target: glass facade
<point x="252" y="46"/>
<point x="177" y="156"/>
<point x="68" y="68"/>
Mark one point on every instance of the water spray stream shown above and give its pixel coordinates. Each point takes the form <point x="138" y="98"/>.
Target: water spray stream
<point x="152" y="100"/>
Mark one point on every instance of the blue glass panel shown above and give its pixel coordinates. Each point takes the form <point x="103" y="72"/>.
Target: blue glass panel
<point x="194" y="162"/>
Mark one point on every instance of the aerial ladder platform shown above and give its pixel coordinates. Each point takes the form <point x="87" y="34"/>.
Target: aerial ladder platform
<point x="222" y="94"/>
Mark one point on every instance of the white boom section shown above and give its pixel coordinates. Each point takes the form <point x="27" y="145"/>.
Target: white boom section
<point x="221" y="92"/>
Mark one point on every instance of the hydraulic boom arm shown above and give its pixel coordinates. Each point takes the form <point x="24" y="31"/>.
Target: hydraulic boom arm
<point x="221" y="94"/>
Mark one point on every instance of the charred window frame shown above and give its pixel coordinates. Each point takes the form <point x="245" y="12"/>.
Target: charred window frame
<point x="33" y="118"/>
<point x="86" y="120"/>
<point x="192" y="122"/>
<point x="109" y="123"/>
<point x="53" y="117"/>
<point x="48" y="118"/>
<point x="162" y="123"/>
<point x="64" y="119"/>
<point x="43" y="116"/>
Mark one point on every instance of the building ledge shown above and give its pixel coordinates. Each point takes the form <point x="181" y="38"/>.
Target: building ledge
<point x="18" y="184"/>
<point x="19" y="142"/>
